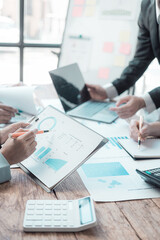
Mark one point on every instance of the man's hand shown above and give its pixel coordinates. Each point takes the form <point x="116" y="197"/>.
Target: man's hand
<point x="97" y="92"/>
<point x="148" y="129"/>
<point x="16" y="150"/>
<point x="10" y="129"/>
<point x="6" y="113"/>
<point x="131" y="105"/>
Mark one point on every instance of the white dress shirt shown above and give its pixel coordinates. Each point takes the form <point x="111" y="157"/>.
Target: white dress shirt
<point x="112" y="92"/>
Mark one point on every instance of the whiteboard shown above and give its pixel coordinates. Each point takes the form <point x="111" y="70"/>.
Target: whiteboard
<point x="100" y="35"/>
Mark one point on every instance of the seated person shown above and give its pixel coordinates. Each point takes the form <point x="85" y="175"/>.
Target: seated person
<point x="15" y="150"/>
<point x="148" y="129"/>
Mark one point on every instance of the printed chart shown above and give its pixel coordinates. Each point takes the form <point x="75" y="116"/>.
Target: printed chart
<point x="62" y="149"/>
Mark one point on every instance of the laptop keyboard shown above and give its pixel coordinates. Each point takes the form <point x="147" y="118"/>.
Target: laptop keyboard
<point x="91" y="108"/>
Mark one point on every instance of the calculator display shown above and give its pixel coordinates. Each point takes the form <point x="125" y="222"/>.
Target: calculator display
<point x="85" y="211"/>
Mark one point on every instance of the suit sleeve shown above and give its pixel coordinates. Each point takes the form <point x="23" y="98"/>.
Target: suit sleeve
<point x="142" y="58"/>
<point x="155" y="95"/>
<point x="5" y="174"/>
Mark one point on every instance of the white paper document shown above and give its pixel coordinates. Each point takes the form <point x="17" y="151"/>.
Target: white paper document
<point x="150" y="148"/>
<point x="110" y="174"/>
<point x="113" y="179"/>
<point x="20" y="98"/>
<point x="63" y="149"/>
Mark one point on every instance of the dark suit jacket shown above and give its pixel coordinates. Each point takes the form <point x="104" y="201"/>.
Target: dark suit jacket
<point x="148" y="48"/>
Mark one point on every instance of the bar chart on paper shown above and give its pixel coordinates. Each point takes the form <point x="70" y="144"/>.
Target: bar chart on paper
<point x="43" y="155"/>
<point x="113" y="142"/>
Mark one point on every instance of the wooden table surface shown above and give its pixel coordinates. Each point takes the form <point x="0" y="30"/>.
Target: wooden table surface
<point x="127" y="220"/>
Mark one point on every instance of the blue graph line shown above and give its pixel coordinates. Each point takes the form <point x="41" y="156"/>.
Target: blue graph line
<point x="46" y="119"/>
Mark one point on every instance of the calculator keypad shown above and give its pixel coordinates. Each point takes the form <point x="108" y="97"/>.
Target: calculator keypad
<point x="49" y="213"/>
<point x="154" y="172"/>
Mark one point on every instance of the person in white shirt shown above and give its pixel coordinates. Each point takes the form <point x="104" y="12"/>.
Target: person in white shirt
<point x="148" y="48"/>
<point x="15" y="150"/>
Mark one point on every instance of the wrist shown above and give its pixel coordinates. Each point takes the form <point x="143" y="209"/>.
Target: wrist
<point x="142" y="103"/>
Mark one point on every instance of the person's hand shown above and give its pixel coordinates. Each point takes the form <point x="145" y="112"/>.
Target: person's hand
<point x="6" y="113"/>
<point x="10" y="129"/>
<point x="148" y="129"/>
<point x="97" y="92"/>
<point x="16" y="150"/>
<point x="131" y="105"/>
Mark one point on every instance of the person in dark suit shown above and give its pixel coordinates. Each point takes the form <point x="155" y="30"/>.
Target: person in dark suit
<point x="148" y="48"/>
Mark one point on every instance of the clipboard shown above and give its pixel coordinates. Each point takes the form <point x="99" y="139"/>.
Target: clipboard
<point x="62" y="150"/>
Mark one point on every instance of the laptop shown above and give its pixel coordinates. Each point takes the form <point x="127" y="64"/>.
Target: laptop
<point x="75" y="98"/>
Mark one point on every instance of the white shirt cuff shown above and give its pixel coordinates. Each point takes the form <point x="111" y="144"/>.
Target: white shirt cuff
<point x="110" y="90"/>
<point x="150" y="106"/>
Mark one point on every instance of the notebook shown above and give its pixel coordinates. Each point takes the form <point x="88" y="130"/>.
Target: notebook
<point x="149" y="149"/>
<point x="75" y="98"/>
<point x="60" y="151"/>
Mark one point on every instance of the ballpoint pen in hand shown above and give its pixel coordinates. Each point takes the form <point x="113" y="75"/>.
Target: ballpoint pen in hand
<point x="140" y="127"/>
<point x="17" y="134"/>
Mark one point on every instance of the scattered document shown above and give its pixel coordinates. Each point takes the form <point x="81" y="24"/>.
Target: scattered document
<point x="62" y="150"/>
<point x="150" y="148"/>
<point x="20" y="98"/>
<point x="112" y="179"/>
<point x="110" y="174"/>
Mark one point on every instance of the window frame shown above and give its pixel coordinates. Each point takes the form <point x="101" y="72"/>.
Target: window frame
<point x="21" y="44"/>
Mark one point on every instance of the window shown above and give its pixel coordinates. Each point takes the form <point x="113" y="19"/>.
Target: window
<point x="30" y="32"/>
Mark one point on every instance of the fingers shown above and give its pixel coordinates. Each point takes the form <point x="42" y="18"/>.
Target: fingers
<point x="5" y="119"/>
<point x="123" y="100"/>
<point x="8" y="108"/>
<point x="122" y="112"/>
<point x="28" y="135"/>
<point x="134" y="130"/>
<point x="20" y="125"/>
<point x="91" y="86"/>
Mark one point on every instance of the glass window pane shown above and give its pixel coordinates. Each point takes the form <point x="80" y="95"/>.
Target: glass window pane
<point x="9" y="62"/>
<point x="9" y="20"/>
<point x="44" y="20"/>
<point x="37" y="63"/>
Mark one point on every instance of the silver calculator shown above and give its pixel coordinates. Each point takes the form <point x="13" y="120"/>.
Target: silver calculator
<point x="59" y="215"/>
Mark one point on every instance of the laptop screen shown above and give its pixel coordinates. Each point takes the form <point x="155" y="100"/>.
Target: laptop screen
<point x="70" y="86"/>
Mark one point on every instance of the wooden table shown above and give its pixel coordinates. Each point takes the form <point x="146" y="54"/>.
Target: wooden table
<point x="127" y="220"/>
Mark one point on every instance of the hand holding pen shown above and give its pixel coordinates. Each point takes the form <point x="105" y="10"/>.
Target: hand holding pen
<point x="140" y="128"/>
<point x="22" y="132"/>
